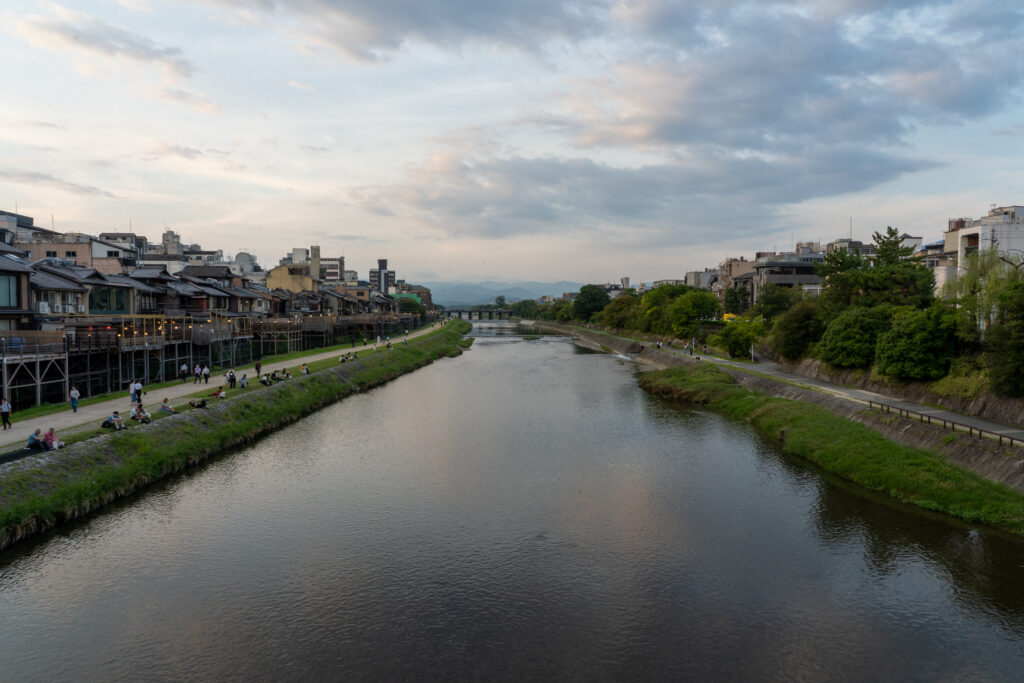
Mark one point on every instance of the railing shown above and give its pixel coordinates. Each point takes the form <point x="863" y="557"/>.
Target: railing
<point x="948" y="424"/>
<point x="31" y="342"/>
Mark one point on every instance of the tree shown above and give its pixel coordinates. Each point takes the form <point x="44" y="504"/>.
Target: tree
<point x="1005" y="341"/>
<point x="622" y="312"/>
<point x="589" y="301"/>
<point x="889" y="249"/>
<point x="844" y="275"/>
<point x="654" y="315"/>
<point x="921" y="344"/>
<point x="796" y="329"/>
<point x="850" y="339"/>
<point x="527" y="308"/>
<point x="737" y="337"/>
<point x="406" y="304"/>
<point x="686" y="311"/>
<point x="499" y="301"/>
<point x="737" y="300"/>
<point x="774" y="301"/>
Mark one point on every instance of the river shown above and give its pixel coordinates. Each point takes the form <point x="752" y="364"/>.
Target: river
<point x="521" y="512"/>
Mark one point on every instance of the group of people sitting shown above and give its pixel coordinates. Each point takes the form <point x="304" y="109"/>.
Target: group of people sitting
<point x="275" y="376"/>
<point x="44" y="442"/>
<point x="344" y="358"/>
<point x="138" y="414"/>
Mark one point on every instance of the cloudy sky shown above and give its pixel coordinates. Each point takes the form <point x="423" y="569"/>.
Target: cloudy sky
<point x="497" y="139"/>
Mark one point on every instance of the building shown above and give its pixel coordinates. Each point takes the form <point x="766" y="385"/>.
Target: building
<point x="1002" y="228"/>
<point x="381" y="278"/>
<point x="730" y="269"/>
<point x="81" y="250"/>
<point x="797" y="269"/>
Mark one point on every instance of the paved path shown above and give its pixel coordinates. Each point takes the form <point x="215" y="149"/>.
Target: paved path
<point x="92" y="415"/>
<point x="774" y="371"/>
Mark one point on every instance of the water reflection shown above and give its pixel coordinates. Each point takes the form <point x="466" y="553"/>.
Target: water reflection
<point x="521" y="512"/>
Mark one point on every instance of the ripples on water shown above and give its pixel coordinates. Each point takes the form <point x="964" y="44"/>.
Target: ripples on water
<point x="521" y="512"/>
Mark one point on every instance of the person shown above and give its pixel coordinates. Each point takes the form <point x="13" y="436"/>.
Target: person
<point x="51" y="441"/>
<point x="198" y="373"/>
<point x="230" y="377"/>
<point x="355" y="355"/>
<point x="265" y="380"/>
<point x="138" y="390"/>
<point x="276" y="377"/>
<point x="206" y="374"/>
<point x="405" y="342"/>
<point x="165" y="407"/>
<point x="259" y="366"/>
<point x="304" y="370"/>
<point x="244" y="382"/>
<point x="139" y="414"/>
<point x="114" y="422"/>
<point x="219" y="393"/>
<point x="73" y="397"/>
<point x="5" y="413"/>
<point x="197" y="404"/>
<point x="183" y="372"/>
<point x="132" y="398"/>
<point x="35" y="441"/>
<point x="342" y="359"/>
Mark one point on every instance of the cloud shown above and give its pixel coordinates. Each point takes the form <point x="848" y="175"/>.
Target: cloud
<point x="371" y="30"/>
<point x="695" y="198"/>
<point x="49" y="181"/>
<point x="312" y="148"/>
<point x="187" y="97"/>
<point x="79" y="33"/>
<point x="38" y="123"/>
<point x="166" y="149"/>
<point x="300" y="86"/>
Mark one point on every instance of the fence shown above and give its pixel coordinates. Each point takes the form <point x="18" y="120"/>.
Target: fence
<point x="948" y="424"/>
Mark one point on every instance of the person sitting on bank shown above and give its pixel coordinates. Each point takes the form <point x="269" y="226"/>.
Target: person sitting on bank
<point x="265" y="380"/>
<point x="139" y="414"/>
<point x="197" y="404"/>
<point x="35" y="441"/>
<point x="342" y="359"/>
<point x="304" y="370"/>
<point x="243" y="382"/>
<point x="219" y="393"/>
<point x="114" y="422"/>
<point x="165" y="407"/>
<point x="51" y="441"/>
<point x="276" y="377"/>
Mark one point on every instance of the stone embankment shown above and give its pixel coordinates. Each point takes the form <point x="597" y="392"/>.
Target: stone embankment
<point x="39" y="492"/>
<point x="986" y="458"/>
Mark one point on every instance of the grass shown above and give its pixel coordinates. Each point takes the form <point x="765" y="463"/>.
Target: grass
<point x="848" y="449"/>
<point x="77" y="481"/>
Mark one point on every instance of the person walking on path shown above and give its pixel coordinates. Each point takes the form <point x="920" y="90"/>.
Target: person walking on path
<point x="5" y="413"/>
<point x="206" y="374"/>
<point x="132" y="398"/>
<point x="198" y="372"/>
<point x="138" y="391"/>
<point x="73" y="397"/>
<point x="183" y="372"/>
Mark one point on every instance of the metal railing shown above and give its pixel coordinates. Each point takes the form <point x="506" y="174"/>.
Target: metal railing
<point x="948" y="424"/>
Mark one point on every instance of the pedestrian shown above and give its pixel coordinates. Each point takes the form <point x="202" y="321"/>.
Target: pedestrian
<point x="183" y="372"/>
<point x="206" y="374"/>
<point x="5" y="413"/>
<point x="198" y="373"/>
<point x="259" y="366"/>
<point x="73" y="397"/>
<point x="132" y="398"/>
<point x="138" y="390"/>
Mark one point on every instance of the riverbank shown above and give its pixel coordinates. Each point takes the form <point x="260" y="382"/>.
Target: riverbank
<point x="850" y="450"/>
<point x="41" y="492"/>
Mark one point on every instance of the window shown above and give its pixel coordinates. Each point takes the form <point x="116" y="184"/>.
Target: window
<point x="8" y="291"/>
<point x="51" y="254"/>
<point x="112" y="253"/>
<point x="70" y="254"/>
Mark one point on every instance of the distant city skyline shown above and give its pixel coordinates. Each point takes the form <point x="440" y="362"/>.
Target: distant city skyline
<point x="537" y="140"/>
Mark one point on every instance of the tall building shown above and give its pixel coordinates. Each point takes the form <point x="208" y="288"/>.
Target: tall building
<point x="381" y="278"/>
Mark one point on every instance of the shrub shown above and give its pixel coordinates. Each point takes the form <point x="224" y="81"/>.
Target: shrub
<point x="796" y="329"/>
<point x="919" y="345"/>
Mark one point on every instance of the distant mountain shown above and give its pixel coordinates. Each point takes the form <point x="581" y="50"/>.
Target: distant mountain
<point x="476" y="293"/>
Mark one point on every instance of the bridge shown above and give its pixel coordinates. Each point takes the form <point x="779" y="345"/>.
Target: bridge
<point x="481" y="313"/>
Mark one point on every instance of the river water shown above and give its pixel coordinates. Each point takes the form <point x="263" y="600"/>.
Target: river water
<point x="521" y="512"/>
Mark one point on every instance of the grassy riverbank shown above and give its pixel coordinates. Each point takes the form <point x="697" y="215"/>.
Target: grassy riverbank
<point x="848" y="449"/>
<point x="36" y="495"/>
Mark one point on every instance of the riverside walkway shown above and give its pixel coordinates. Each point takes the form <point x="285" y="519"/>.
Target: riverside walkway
<point x="772" y="370"/>
<point x="88" y="416"/>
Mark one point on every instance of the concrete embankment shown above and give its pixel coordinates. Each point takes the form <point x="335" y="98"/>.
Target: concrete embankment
<point x="984" y="457"/>
<point x="40" y="492"/>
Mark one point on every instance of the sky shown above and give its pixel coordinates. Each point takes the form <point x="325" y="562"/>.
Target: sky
<point x="542" y="140"/>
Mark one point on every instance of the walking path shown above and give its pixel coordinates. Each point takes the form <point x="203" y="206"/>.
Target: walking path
<point x="92" y="415"/>
<point x="774" y="371"/>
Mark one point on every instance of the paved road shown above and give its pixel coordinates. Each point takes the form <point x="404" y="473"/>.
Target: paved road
<point x="774" y="371"/>
<point x="92" y="415"/>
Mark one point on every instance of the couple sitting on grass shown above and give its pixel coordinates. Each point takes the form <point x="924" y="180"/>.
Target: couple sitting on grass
<point x="44" y="442"/>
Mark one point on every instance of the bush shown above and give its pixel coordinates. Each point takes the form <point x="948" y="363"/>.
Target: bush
<point x="850" y="339"/>
<point x="737" y="337"/>
<point x="1005" y="355"/>
<point x="919" y="345"/>
<point x="796" y="329"/>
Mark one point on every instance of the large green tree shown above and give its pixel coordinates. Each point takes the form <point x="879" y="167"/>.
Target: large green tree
<point x="850" y="339"/>
<point x="796" y="329"/>
<point x="1005" y="342"/>
<point x="687" y="311"/>
<point x="773" y="301"/>
<point x="622" y="312"/>
<point x="591" y="299"/>
<point x="920" y="344"/>
<point x="737" y="300"/>
<point x="654" y="308"/>
<point x="527" y="308"/>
